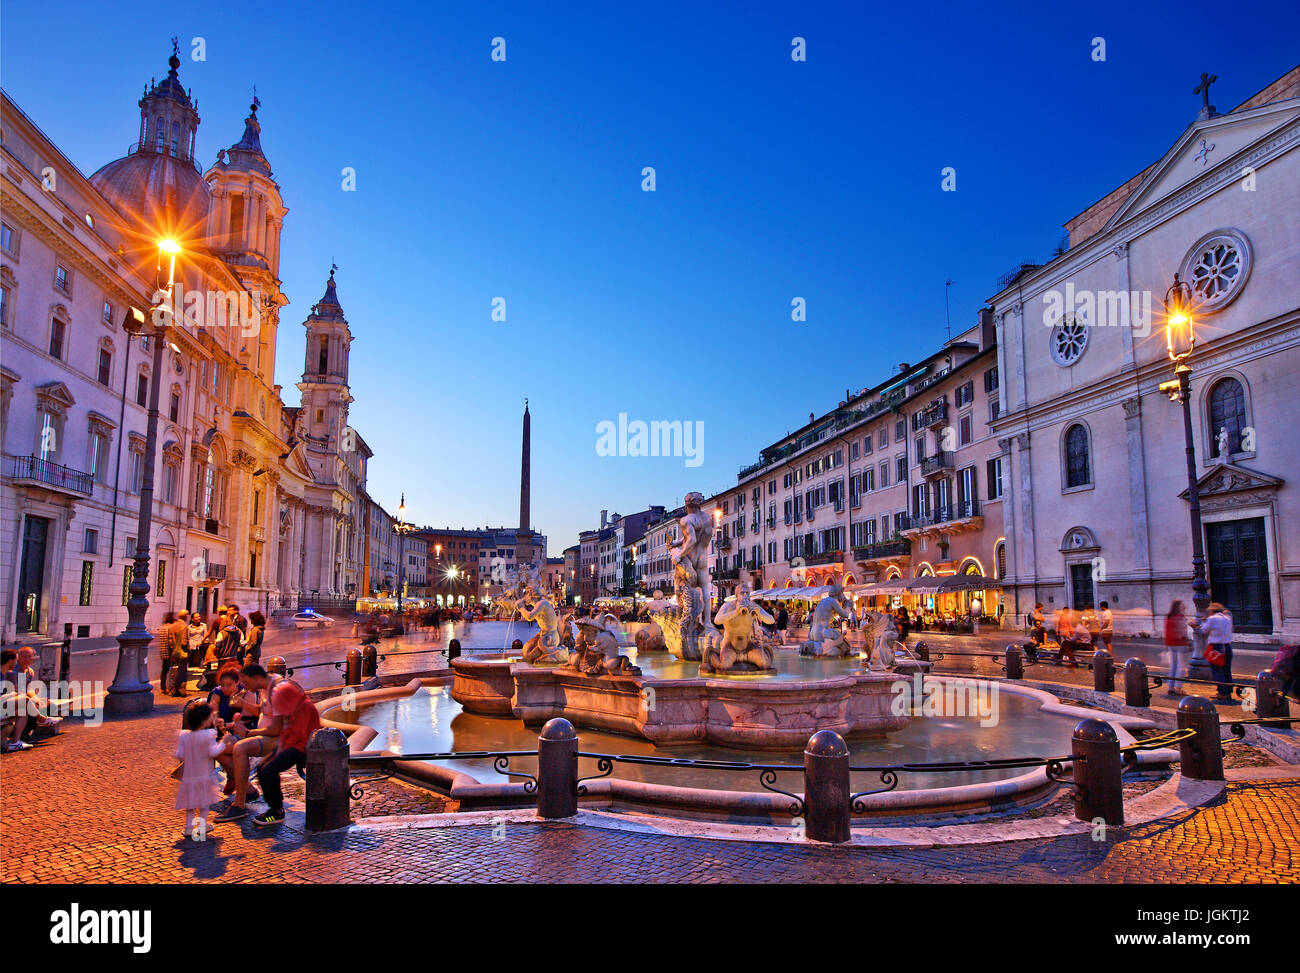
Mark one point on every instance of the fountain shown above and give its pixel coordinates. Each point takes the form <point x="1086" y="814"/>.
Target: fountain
<point x="824" y="639"/>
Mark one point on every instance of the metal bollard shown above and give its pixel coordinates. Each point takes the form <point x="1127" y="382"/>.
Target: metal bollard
<point x="328" y="787"/>
<point x="352" y="668"/>
<point x="453" y="649"/>
<point x="1103" y="671"/>
<point x="1137" y="689"/>
<point x="557" y="770"/>
<point x="921" y="651"/>
<point x="276" y="664"/>
<point x="1269" y="700"/>
<point x="369" y="660"/>
<point x="1015" y="662"/>
<point x="1201" y="756"/>
<point x="826" y="787"/>
<point x="1098" y="764"/>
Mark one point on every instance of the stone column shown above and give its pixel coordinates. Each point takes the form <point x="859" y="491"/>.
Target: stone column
<point x="1137" y="482"/>
<point x="1125" y="325"/>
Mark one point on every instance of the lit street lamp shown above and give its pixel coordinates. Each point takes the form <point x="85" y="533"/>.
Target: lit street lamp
<point x="402" y="528"/>
<point x="1180" y="339"/>
<point x="131" y="691"/>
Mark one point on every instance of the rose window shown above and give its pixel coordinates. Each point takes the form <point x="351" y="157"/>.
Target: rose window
<point x="1069" y="339"/>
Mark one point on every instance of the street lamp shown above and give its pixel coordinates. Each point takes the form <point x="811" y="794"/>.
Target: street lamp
<point x="402" y="528"/>
<point x="131" y="691"/>
<point x="1180" y="339"/>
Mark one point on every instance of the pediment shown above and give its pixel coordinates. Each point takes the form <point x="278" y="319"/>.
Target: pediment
<point x="1226" y="478"/>
<point x="55" y="392"/>
<point x="1208" y="145"/>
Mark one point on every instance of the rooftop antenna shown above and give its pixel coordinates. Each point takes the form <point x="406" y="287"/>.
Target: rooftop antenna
<point x="946" y="312"/>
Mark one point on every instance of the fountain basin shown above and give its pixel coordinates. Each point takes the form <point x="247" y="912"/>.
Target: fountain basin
<point x="753" y="713"/>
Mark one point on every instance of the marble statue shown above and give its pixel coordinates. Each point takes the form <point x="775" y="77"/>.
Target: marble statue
<point x="544" y="648"/>
<point x="650" y="638"/>
<point x="880" y="639"/>
<point x="693" y="549"/>
<point x="824" y="639"/>
<point x="740" y="648"/>
<point x="686" y="622"/>
<point x="596" y="649"/>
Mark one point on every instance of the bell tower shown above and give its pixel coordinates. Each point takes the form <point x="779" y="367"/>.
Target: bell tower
<point x="324" y="385"/>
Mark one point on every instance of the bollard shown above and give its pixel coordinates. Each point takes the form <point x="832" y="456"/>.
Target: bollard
<point x="352" y="668"/>
<point x="276" y="664"/>
<point x="1103" y="671"/>
<point x="369" y="661"/>
<point x="1015" y="662"/>
<point x="1137" y="689"/>
<point x="921" y="651"/>
<point x="1201" y="756"/>
<point x="453" y="649"/>
<point x="826" y="787"/>
<point x="1269" y="700"/>
<point x="557" y="770"/>
<point x="328" y="787"/>
<point x="65" y="655"/>
<point x="1097" y="768"/>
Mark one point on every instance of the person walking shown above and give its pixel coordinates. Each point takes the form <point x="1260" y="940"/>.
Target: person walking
<point x="1107" y="624"/>
<point x="1065" y="636"/>
<point x="1217" y="629"/>
<point x="1178" y="647"/>
<point x="165" y="647"/>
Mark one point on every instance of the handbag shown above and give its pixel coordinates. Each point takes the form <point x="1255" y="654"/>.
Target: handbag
<point x="1214" y="656"/>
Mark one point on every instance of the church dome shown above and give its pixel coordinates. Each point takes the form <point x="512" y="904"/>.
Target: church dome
<point x="157" y="182"/>
<point x="160" y="190"/>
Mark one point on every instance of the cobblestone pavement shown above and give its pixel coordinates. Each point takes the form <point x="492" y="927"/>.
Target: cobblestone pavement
<point x="94" y="805"/>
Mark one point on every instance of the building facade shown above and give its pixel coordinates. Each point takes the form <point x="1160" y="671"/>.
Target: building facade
<point x="1093" y="450"/>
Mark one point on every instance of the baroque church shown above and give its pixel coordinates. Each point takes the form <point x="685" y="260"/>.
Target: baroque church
<point x="256" y="502"/>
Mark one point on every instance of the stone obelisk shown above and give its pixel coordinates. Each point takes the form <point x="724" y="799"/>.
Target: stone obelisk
<point x="525" y="473"/>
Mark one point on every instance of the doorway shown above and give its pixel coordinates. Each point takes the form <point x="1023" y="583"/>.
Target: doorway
<point x="1238" y="562"/>
<point x="31" y="574"/>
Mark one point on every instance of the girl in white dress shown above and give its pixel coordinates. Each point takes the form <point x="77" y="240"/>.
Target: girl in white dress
<point x="197" y="747"/>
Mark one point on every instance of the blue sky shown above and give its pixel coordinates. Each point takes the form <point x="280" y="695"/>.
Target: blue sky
<point x="521" y="179"/>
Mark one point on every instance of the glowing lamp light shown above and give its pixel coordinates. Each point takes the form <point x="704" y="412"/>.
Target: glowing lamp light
<point x="169" y="246"/>
<point x="1180" y="329"/>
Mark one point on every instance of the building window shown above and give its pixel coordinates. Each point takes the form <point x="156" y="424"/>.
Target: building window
<point x="160" y="590"/>
<point x="1069" y="339"/>
<point x="4" y="306"/>
<point x="901" y="472"/>
<point x="61" y="277"/>
<point x="866" y="444"/>
<point x="58" y="337"/>
<point x="1077" y="470"/>
<point x="174" y="407"/>
<point x="993" y="469"/>
<point x="97" y="456"/>
<point x="108" y="312"/>
<point x="142" y="389"/>
<point x="995" y="409"/>
<point x="900" y="430"/>
<point x="1227" y="418"/>
<point x="90" y="542"/>
<point x="105" y="367"/>
<point x="884" y="475"/>
<point x="87" y="582"/>
<point x="964" y="431"/>
<point x="965" y="394"/>
<point x="6" y="237"/>
<point x="991" y="379"/>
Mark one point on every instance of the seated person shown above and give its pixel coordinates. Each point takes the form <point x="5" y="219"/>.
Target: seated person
<point x="298" y="720"/>
<point x="23" y="678"/>
<point x="251" y="744"/>
<point x="13" y="706"/>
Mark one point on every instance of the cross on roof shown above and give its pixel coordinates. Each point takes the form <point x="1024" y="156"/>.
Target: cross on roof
<point x="1203" y="89"/>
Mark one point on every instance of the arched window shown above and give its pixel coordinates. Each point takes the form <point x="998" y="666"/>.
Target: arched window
<point x="1001" y="560"/>
<point x="1077" y="471"/>
<point x="1227" y="417"/>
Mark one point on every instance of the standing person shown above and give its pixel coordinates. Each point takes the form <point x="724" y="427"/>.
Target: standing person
<point x="237" y="619"/>
<point x="178" y="676"/>
<point x="1065" y="635"/>
<point x="1178" y="647"/>
<point x="1107" y="624"/>
<point x="166" y="644"/>
<point x="256" y="633"/>
<point x="1217" y="629"/>
<point x="782" y="621"/>
<point x="197" y="747"/>
<point x="976" y="613"/>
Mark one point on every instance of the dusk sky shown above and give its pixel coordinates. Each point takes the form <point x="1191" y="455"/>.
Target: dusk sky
<point x="522" y="179"/>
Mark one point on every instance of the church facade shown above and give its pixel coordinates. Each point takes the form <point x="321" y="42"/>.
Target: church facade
<point x="1094" y="452"/>
<point x="256" y="503"/>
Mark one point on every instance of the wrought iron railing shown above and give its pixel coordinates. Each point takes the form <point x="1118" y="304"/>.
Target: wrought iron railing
<point x="51" y="474"/>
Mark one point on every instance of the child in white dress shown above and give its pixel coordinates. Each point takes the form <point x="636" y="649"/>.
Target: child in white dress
<point x="197" y="747"/>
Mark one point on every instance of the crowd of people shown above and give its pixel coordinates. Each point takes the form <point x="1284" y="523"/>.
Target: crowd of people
<point x="187" y="641"/>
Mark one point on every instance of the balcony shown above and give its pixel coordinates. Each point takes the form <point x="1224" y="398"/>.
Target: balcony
<point x="953" y="518"/>
<point x="884" y="549"/>
<point x="935" y="414"/>
<point x="724" y="543"/>
<point x="31" y="471"/>
<point x="937" y="465"/>
<point x="726" y="574"/>
<point x="824" y="557"/>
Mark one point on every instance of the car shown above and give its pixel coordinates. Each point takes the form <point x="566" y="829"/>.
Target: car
<point x="310" y="619"/>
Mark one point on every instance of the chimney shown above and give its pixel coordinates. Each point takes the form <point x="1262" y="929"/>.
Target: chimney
<point x="988" y="328"/>
<point x="903" y="366"/>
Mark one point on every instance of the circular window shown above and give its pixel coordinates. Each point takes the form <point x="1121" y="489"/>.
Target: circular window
<point x="1069" y="339"/>
<point x="1217" y="268"/>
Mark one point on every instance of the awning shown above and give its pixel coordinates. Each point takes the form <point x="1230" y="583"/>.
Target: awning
<point x="895" y="586"/>
<point x="969" y="582"/>
<point x="928" y="585"/>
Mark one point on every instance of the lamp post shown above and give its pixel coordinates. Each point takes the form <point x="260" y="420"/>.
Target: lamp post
<point x="131" y="691"/>
<point x="1180" y="339"/>
<point x="402" y="528"/>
